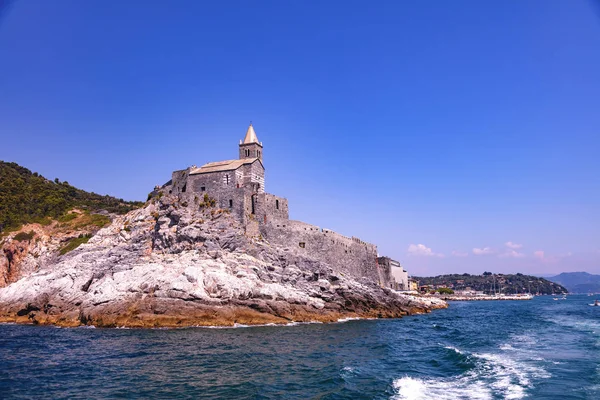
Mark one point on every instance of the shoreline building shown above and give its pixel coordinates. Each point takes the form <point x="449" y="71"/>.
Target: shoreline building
<point x="239" y="186"/>
<point x="398" y="275"/>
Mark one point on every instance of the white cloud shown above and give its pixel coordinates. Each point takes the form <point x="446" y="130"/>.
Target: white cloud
<point x="485" y="250"/>
<point x="456" y="253"/>
<point x="422" y="250"/>
<point x="512" y="245"/>
<point x="539" y="254"/>
<point x="512" y="253"/>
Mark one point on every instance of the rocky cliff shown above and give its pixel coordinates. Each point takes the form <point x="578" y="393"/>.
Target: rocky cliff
<point x="178" y="263"/>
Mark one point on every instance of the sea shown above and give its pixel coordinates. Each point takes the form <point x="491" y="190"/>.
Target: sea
<point x="537" y="349"/>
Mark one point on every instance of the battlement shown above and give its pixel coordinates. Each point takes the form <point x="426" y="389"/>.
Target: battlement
<point x="346" y="254"/>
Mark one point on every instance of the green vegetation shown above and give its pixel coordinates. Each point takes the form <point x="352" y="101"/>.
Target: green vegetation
<point x="68" y="217"/>
<point x="445" y="290"/>
<point x="74" y="243"/>
<point x="26" y="197"/>
<point x="490" y="283"/>
<point x="23" y="236"/>
<point x="207" y="201"/>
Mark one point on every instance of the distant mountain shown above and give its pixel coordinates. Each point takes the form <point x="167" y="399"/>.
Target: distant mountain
<point x="578" y="282"/>
<point x="495" y="283"/>
<point x="26" y="196"/>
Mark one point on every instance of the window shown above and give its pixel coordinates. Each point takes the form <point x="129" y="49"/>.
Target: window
<point x="227" y="179"/>
<point x="184" y="188"/>
<point x="302" y="244"/>
<point x="203" y="188"/>
<point x="230" y="203"/>
<point x="277" y="204"/>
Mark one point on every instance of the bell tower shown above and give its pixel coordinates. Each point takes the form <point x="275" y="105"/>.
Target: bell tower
<point x="250" y="147"/>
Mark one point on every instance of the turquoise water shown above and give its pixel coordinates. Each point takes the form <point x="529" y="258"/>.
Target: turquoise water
<point x="540" y="349"/>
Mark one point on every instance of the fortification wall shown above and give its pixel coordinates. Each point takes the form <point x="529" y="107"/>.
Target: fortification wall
<point x="345" y="254"/>
<point x="269" y="206"/>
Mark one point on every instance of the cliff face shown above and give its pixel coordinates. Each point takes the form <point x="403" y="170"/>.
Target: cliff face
<point x="37" y="246"/>
<point x="179" y="263"/>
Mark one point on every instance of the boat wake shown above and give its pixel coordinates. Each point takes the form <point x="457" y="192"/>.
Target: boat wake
<point x="493" y="376"/>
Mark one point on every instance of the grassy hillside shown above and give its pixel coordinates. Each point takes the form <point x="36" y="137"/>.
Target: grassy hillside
<point x="503" y="283"/>
<point x="26" y="196"/>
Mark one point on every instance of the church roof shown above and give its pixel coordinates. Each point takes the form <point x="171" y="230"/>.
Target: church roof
<point x="251" y="136"/>
<point x="218" y="166"/>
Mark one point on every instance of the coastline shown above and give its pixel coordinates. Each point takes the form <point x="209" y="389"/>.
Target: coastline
<point x="143" y="315"/>
<point x="485" y="298"/>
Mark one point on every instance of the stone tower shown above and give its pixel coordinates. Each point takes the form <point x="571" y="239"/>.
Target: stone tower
<point x="251" y="147"/>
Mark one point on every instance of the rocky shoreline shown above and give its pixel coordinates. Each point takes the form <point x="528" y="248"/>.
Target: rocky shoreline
<point x="173" y="264"/>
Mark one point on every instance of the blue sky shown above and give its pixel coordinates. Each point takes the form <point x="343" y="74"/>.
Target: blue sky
<point x="441" y="131"/>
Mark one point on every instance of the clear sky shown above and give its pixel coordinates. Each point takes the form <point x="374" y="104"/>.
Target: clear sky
<point x="459" y="136"/>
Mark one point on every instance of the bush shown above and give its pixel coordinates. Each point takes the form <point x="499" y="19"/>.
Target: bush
<point x="68" y="217"/>
<point x="445" y="290"/>
<point x="100" y="220"/>
<point x="22" y="236"/>
<point x="74" y="243"/>
<point x="207" y="201"/>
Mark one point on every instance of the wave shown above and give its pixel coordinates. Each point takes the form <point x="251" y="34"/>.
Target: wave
<point x="237" y="326"/>
<point x="492" y="376"/>
<point x="579" y="324"/>
<point x="349" y="319"/>
<point x="454" y="349"/>
<point x="452" y="389"/>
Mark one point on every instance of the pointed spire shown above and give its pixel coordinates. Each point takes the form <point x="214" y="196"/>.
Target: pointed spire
<point x="250" y="135"/>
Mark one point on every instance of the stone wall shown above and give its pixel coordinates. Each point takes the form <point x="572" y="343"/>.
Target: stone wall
<point x="253" y="174"/>
<point x="345" y="254"/>
<point x="269" y="206"/>
<point x="255" y="149"/>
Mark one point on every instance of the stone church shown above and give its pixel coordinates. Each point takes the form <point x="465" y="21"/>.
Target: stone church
<point x="239" y="186"/>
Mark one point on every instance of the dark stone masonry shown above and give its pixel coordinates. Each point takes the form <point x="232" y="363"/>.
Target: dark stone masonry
<point x="239" y="186"/>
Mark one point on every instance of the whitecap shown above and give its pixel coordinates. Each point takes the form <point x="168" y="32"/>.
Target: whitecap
<point x="453" y="349"/>
<point x="348" y="319"/>
<point x="463" y="387"/>
<point x="502" y="375"/>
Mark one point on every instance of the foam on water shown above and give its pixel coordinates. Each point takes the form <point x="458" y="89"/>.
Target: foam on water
<point x="495" y="374"/>
<point x="453" y="349"/>
<point x="584" y="325"/>
<point x="453" y="389"/>
<point x="348" y="319"/>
